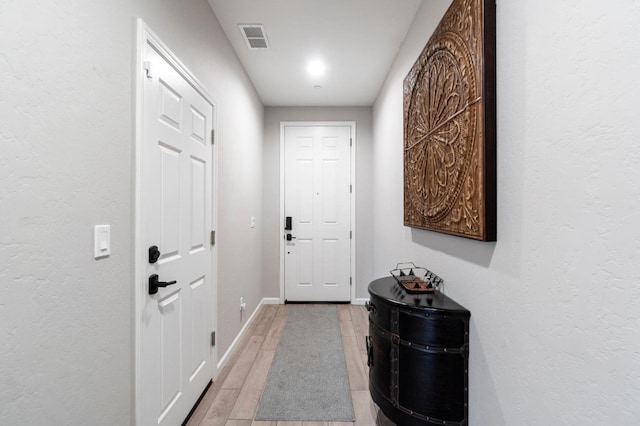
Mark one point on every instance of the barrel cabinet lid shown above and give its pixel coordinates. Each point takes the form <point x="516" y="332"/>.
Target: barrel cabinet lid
<point x="388" y="289"/>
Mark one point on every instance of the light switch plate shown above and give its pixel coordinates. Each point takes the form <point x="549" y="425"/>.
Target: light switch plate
<point x="101" y="241"/>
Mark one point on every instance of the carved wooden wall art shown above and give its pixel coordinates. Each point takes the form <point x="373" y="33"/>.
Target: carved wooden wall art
<point x="450" y="126"/>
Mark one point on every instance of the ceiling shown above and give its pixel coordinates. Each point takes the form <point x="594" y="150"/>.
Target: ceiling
<point x="356" y="39"/>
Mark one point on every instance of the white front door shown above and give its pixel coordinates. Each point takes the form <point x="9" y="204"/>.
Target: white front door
<point x="176" y="359"/>
<point x="317" y="198"/>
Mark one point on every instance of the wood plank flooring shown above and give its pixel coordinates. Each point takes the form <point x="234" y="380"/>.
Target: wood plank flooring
<point x="233" y="398"/>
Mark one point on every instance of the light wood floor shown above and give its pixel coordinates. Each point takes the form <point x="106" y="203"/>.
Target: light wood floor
<point x="232" y="399"/>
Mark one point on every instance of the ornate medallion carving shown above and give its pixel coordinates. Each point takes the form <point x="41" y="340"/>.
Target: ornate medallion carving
<point x="449" y="132"/>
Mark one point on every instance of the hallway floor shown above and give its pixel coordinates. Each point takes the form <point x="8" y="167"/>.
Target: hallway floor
<point x="232" y="399"/>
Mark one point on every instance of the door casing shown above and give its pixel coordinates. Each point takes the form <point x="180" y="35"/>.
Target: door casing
<point x="352" y="125"/>
<point x="146" y="36"/>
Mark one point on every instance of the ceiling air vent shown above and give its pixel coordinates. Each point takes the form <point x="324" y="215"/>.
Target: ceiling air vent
<point x="254" y="35"/>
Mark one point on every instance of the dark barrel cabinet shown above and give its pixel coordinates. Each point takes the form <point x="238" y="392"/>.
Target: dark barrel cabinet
<point x="418" y="352"/>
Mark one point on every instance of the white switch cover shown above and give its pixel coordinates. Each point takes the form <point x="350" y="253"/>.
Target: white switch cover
<point x="101" y="241"/>
<point x="252" y="224"/>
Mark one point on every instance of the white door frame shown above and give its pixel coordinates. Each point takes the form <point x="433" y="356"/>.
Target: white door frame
<point x="351" y="124"/>
<point x="147" y="37"/>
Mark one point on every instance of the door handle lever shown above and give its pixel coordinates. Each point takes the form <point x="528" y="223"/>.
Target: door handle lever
<point x="290" y="237"/>
<point x="154" y="283"/>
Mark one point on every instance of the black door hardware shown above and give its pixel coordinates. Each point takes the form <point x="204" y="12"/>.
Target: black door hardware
<point x="154" y="254"/>
<point x="154" y="283"/>
<point x="287" y="223"/>
<point x="290" y="237"/>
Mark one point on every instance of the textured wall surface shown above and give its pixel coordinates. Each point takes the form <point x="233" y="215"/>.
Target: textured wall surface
<point x="271" y="187"/>
<point x="66" y="320"/>
<point x="555" y="317"/>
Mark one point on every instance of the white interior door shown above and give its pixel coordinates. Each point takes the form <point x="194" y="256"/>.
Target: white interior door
<point x="317" y="175"/>
<point x="176" y="359"/>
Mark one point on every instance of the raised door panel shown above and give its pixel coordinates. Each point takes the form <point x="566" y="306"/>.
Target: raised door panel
<point x="304" y="257"/>
<point x="170" y="105"/>
<point x="169" y="202"/>
<point x="197" y="205"/>
<point x="330" y="191"/>
<point x="199" y="348"/>
<point x="170" y="354"/>
<point x="199" y="126"/>
<point x="304" y="183"/>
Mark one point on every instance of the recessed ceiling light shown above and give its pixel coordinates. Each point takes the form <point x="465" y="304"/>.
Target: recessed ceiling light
<point x="317" y="86"/>
<point x="316" y="68"/>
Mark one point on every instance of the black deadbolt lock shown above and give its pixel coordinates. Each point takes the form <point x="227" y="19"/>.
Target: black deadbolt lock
<point x="154" y="254"/>
<point x="154" y="283"/>
<point x="287" y="223"/>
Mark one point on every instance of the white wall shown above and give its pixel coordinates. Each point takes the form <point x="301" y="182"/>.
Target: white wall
<point x="555" y="325"/>
<point x="271" y="189"/>
<point x="65" y="319"/>
<point x="66" y="162"/>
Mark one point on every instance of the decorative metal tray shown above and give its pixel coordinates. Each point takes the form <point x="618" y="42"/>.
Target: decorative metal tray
<point x="415" y="279"/>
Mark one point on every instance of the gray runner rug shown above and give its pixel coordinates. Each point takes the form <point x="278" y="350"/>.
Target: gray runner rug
<point x="308" y="377"/>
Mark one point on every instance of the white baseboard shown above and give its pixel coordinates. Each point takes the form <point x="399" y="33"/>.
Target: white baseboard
<point x="225" y="358"/>
<point x="359" y="301"/>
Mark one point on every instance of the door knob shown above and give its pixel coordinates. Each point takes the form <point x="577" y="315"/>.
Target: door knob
<point x="154" y="283"/>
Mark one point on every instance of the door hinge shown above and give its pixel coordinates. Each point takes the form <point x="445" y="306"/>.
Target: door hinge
<point x="213" y="136"/>
<point x="351" y="235"/>
<point x="350" y="281"/>
<point x="350" y="141"/>
<point x="213" y="238"/>
<point x="213" y="338"/>
<point x="351" y="188"/>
